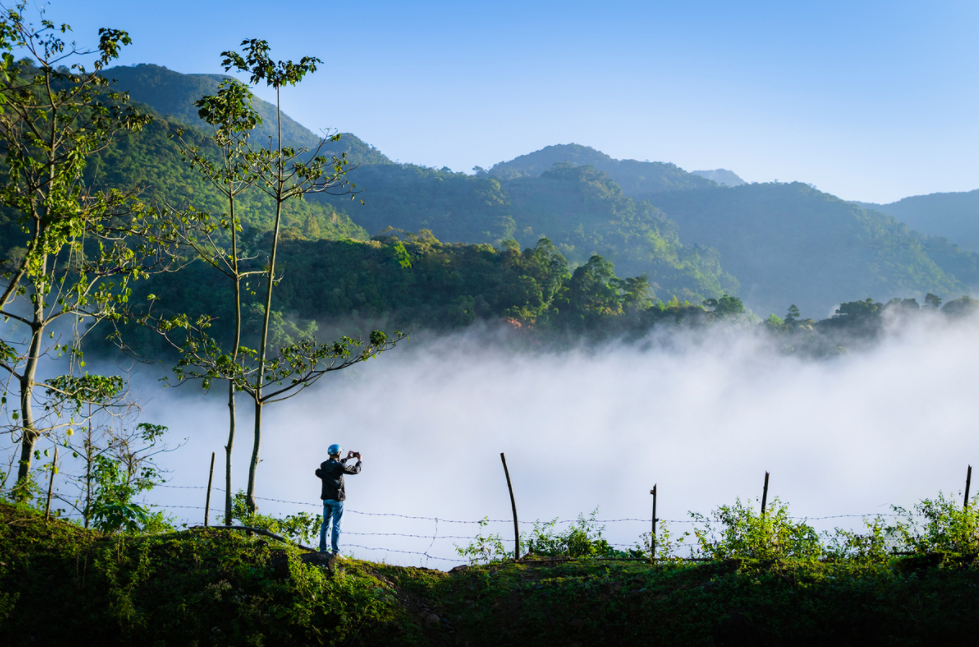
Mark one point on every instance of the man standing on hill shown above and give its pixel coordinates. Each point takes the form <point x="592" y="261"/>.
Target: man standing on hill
<point x="331" y="473"/>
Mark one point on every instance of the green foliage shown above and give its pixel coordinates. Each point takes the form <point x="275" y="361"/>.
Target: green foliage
<point x="154" y="161"/>
<point x="82" y="247"/>
<point x="940" y="525"/>
<point x="726" y="306"/>
<point x="174" y="94"/>
<point x="484" y="548"/>
<point x="581" y="210"/>
<point x="941" y="216"/>
<point x="302" y="527"/>
<point x="66" y="585"/>
<point x="581" y="539"/>
<point x="408" y="280"/>
<point x="112" y="507"/>
<point x="876" y="544"/>
<point x="636" y="178"/>
<point x="739" y="531"/>
<point x="176" y="588"/>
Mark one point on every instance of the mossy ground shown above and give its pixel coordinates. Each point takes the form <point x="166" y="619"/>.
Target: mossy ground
<point x="60" y="584"/>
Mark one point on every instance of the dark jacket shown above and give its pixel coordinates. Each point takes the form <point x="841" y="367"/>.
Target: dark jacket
<point x="331" y="473"/>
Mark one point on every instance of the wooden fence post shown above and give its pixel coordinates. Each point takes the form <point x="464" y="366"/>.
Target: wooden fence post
<point x="968" y="482"/>
<point x="54" y="468"/>
<point x="210" y="479"/>
<point x="764" y="495"/>
<point x="652" y="538"/>
<point x="513" y="503"/>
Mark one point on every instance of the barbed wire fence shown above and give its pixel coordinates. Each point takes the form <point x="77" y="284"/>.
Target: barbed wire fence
<point x="513" y="542"/>
<point x="469" y="522"/>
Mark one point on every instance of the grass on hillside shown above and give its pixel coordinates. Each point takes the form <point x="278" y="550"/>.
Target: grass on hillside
<point x="61" y="584"/>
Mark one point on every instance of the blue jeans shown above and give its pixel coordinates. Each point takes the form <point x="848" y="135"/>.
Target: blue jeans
<point x="332" y="509"/>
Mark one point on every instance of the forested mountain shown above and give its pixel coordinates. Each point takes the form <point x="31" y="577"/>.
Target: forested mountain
<point x="954" y="216"/>
<point x="780" y="239"/>
<point x="151" y="163"/>
<point x="692" y="237"/>
<point x="582" y="210"/>
<point x="594" y="217"/>
<point x="407" y="281"/>
<point x="173" y="94"/>
<point x="792" y="243"/>
<point x="721" y="176"/>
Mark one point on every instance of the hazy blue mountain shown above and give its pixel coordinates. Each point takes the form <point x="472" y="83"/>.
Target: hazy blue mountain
<point x="790" y="243"/>
<point x="173" y="94"/>
<point x="721" y="176"/>
<point x="954" y="216"/>
<point x="637" y="179"/>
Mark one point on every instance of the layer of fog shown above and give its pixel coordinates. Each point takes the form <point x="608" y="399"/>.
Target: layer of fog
<point x="595" y="428"/>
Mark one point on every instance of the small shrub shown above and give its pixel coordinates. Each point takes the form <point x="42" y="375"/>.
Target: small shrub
<point x="740" y="532"/>
<point x="583" y="538"/>
<point x="484" y="549"/>
<point x="876" y="545"/>
<point x="948" y="527"/>
<point x="301" y="527"/>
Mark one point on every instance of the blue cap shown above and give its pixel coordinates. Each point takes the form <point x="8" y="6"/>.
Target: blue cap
<point x="334" y="449"/>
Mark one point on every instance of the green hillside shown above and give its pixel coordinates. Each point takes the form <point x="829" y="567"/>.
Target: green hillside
<point x="173" y="94"/>
<point x="581" y="210"/>
<point x="151" y="160"/>
<point x="789" y="243"/>
<point x="954" y="216"/>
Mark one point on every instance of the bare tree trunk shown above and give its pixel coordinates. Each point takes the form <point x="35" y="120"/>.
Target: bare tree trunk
<point x="253" y="465"/>
<point x="88" y="470"/>
<point x="260" y="379"/>
<point x="232" y="411"/>
<point x="30" y="432"/>
<point x="228" y="448"/>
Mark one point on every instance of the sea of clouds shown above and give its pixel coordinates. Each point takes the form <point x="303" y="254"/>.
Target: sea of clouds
<point x="702" y="415"/>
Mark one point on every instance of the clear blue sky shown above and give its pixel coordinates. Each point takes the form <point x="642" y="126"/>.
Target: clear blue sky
<point x="870" y="101"/>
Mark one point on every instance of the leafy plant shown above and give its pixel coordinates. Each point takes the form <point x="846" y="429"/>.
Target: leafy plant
<point x="583" y="538"/>
<point x="740" y="531"/>
<point x="112" y="507"/>
<point x="301" y="527"/>
<point x="875" y="545"/>
<point x="948" y="527"/>
<point x="484" y="549"/>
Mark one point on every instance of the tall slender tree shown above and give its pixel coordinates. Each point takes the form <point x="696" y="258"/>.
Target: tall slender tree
<point x="287" y="174"/>
<point x="268" y="374"/>
<point x="232" y="118"/>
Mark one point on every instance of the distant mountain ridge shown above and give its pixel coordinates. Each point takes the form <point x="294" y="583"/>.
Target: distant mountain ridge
<point x="637" y="179"/>
<point x="173" y="94"/>
<point x="721" y="176"/>
<point x="790" y="243"/>
<point x="954" y="216"/>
